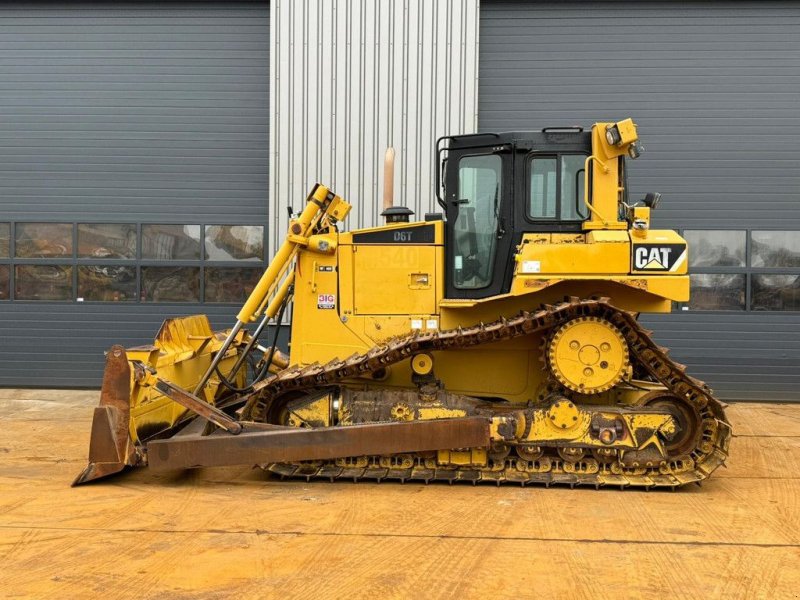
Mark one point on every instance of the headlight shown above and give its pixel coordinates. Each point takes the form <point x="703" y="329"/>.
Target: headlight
<point x="635" y="150"/>
<point x="613" y="136"/>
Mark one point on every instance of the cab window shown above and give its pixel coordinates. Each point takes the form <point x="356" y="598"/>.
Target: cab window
<point x="479" y="185"/>
<point x="556" y="187"/>
<point x="543" y="187"/>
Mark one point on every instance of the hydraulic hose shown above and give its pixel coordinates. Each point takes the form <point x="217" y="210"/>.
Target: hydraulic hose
<point x="267" y="361"/>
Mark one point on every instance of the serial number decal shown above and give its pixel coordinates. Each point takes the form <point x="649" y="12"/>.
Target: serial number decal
<point x="419" y="234"/>
<point x="326" y="301"/>
<point x="658" y="257"/>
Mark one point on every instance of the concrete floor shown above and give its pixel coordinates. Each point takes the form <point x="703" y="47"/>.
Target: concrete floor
<point x="237" y="532"/>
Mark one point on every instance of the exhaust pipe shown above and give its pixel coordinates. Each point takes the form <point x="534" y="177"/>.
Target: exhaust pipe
<point x="392" y="213"/>
<point x="388" y="179"/>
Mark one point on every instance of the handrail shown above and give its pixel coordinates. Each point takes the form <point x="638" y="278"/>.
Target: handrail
<point x="586" y="186"/>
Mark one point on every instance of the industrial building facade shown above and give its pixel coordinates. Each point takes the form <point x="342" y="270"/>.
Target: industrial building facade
<point x="150" y="151"/>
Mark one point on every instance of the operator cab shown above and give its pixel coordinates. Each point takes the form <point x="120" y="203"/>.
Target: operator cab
<point x="499" y="186"/>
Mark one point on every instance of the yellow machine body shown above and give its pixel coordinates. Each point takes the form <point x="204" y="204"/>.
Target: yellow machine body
<point x="363" y="294"/>
<point x="408" y="362"/>
<point x="182" y="351"/>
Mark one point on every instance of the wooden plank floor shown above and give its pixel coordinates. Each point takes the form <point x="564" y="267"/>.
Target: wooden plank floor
<point x="238" y="533"/>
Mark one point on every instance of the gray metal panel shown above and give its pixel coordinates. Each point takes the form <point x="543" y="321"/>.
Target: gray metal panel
<point x="714" y="88"/>
<point x="61" y="344"/>
<point x="742" y="356"/>
<point x="125" y="112"/>
<point x="134" y="111"/>
<point x="349" y="79"/>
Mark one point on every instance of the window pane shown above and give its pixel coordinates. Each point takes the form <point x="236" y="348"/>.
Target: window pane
<point x="170" y="284"/>
<point x="479" y="185"/>
<point x="776" y="292"/>
<point x="107" y="240"/>
<point x="708" y="248"/>
<point x="40" y="240"/>
<point x="4" y="238"/>
<point x="43" y="282"/>
<point x="775" y="249"/>
<point x="234" y="242"/>
<point x="171" y="242"/>
<point x="5" y="271"/>
<point x="543" y="188"/>
<point x="107" y="284"/>
<point x="716" y="292"/>
<point x="573" y="181"/>
<point x="230" y="284"/>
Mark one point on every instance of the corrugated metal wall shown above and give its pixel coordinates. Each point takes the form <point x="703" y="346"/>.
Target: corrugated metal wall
<point x="714" y="88"/>
<point x="351" y="78"/>
<point x="125" y="112"/>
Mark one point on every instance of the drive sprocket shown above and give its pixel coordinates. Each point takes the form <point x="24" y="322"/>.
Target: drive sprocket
<point x="588" y="355"/>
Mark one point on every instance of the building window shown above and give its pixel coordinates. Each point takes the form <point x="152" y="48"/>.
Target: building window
<point x="43" y="240"/>
<point x="106" y="283"/>
<point x="744" y="270"/>
<point x="5" y="230"/>
<point x="5" y="254"/>
<point x="775" y="292"/>
<point x="5" y="282"/>
<point x="43" y="282"/>
<point x="107" y="240"/>
<point x="171" y="242"/>
<point x="717" y="261"/>
<point x="717" y="291"/>
<point x="234" y="242"/>
<point x="709" y="248"/>
<point x="130" y="262"/>
<point x="775" y="260"/>
<point x="230" y="284"/>
<point x="170" y="284"/>
<point x="775" y="249"/>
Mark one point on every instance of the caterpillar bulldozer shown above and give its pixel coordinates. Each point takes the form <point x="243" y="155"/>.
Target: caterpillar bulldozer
<point x="496" y="341"/>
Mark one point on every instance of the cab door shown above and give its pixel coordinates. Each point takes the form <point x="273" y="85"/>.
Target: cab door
<point x="479" y="190"/>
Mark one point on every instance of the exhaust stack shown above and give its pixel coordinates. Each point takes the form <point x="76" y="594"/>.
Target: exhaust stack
<point x="392" y="213"/>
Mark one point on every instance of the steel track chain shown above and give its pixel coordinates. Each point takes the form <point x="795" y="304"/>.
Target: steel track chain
<point x="709" y="454"/>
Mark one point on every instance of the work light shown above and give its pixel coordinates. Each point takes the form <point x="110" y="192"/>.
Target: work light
<point x="613" y="136"/>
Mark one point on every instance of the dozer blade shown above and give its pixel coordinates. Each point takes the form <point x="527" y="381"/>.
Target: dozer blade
<point x="137" y="405"/>
<point x="111" y="448"/>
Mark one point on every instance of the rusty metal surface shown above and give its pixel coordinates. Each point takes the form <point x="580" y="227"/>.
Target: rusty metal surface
<point x="110" y="446"/>
<point x="298" y="444"/>
<point x="207" y="411"/>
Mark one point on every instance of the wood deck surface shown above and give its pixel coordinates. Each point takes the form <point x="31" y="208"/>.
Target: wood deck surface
<point x="236" y="532"/>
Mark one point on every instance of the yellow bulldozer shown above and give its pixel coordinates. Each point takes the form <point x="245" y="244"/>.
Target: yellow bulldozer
<point x="496" y="341"/>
